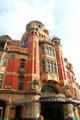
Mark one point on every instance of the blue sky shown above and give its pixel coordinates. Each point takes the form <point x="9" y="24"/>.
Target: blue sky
<point x="61" y="18"/>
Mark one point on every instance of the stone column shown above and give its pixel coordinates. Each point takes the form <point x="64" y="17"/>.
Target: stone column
<point x="32" y="111"/>
<point x="7" y="111"/>
<point x="76" y="112"/>
<point x="70" y="112"/>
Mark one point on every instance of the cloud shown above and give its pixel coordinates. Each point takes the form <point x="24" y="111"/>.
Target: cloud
<point x="21" y="12"/>
<point x="68" y="29"/>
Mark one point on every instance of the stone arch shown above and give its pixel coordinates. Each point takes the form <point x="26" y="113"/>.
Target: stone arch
<point x="52" y="83"/>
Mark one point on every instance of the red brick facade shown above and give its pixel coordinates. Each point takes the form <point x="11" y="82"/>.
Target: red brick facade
<point x="33" y="40"/>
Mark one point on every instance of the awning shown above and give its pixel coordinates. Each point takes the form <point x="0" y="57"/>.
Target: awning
<point x="49" y="99"/>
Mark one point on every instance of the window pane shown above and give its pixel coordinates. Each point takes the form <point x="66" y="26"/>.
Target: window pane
<point x="43" y="66"/>
<point x="1" y="76"/>
<point x="0" y="83"/>
<point x="21" y="78"/>
<point x="53" y="53"/>
<point x="20" y="87"/>
<point x="49" y="89"/>
<point x="20" y="84"/>
<point x="47" y="51"/>
<point x="48" y="66"/>
<point x="52" y="67"/>
<point x="55" y="69"/>
<point x="4" y="61"/>
<point x="50" y="52"/>
<point x="42" y="50"/>
<point x="22" y="64"/>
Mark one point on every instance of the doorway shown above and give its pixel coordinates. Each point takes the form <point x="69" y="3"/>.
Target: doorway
<point x="2" y="109"/>
<point x="18" y="112"/>
<point x="52" y="111"/>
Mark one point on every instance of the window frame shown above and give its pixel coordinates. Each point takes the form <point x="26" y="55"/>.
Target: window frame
<point x="42" y="50"/>
<point x="55" y="68"/>
<point x="49" y="66"/>
<point x="22" y="63"/>
<point x="1" y="79"/>
<point x="4" y="61"/>
<point x="20" y="82"/>
<point x="43" y="66"/>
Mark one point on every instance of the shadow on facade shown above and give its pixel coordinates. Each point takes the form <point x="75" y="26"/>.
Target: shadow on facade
<point x="2" y="109"/>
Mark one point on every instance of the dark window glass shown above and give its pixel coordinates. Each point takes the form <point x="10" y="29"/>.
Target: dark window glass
<point x="49" y="89"/>
<point x="55" y="68"/>
<point x="43" y="66"/>
<point x="2" y="44"/>
<point x="48" y="66"/>
<point x="1" y="79"/>
<point x="52" y="67"/>
<point x="24" y="46"/>
<point x="47" y="50"/>
<point x="42" y="50"/>
<point x="22" y="64"/>
<point x="20" y="84"/>
<point x="4" y="61"/>
<point x="39" y="26"/>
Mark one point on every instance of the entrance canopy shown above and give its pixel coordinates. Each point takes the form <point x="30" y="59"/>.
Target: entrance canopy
<point x="49" y="99"/>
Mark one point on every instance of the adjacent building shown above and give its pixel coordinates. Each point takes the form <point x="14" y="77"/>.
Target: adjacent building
<point x="35" y="78"/>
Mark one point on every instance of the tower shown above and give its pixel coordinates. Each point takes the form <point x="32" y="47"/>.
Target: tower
<point x="60" y="61"/>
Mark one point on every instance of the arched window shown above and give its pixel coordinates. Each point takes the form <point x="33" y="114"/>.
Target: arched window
<point x="49" y="89"/>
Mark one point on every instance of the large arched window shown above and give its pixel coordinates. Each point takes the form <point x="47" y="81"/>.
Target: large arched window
<point x="49" y="89"/>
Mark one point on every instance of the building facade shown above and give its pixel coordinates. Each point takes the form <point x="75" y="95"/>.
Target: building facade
<point x="35" y="78"/>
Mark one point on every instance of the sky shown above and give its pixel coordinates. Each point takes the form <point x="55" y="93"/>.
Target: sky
<point x="61" y="18"/>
